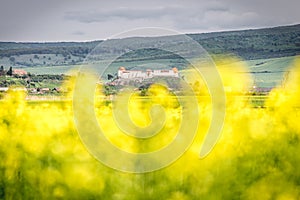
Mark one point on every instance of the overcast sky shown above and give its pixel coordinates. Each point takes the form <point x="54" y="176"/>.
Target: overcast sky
<point x="73" y="20"/>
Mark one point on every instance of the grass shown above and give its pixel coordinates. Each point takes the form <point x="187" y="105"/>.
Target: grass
<point x="269" y="72"/>
<point x="265" y="72"/>
<point x="52" y="69"/>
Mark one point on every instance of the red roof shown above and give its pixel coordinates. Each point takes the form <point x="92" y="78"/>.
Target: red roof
<point x="19" y="72"/>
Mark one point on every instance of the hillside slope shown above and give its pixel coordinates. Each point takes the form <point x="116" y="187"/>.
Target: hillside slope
<point x="247" y="44"/>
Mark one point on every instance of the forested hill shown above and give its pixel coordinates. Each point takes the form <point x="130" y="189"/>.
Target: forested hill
<point x="254" y="44"/>
<point x="248" y="44"/>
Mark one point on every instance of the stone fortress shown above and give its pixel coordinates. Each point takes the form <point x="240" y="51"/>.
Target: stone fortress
<point x="138" y="74"/>
<point x="125" y="76"/>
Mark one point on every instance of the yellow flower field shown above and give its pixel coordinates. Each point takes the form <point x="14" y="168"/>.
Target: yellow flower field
<point x="256" y="157"/>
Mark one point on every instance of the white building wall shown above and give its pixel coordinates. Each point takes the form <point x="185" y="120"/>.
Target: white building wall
<point x="141" y="74"/>
<point x="169" y="73"/>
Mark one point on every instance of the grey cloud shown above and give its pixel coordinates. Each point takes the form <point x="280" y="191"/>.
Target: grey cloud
<point x="78" y="33"/>
<point x="52" y="20"/>
<point x="90" y="16"/>
<point x="228" y="19"/>
<point x="215" y="6"/>
<point x="221" y="16"/>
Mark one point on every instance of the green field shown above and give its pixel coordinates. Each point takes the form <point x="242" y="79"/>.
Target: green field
<point x="265" y="72"/>
<point x="112" y="69"/>
<point x="270" y="72"/>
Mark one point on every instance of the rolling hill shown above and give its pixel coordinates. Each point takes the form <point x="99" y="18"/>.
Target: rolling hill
<point x="247" y="44"/>
<point x="268" y="52"/>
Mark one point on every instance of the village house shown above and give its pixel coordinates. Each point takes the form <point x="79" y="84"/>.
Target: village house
<point x="19" y="72"/>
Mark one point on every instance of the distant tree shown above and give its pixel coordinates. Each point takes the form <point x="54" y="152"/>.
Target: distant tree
<point x="2" y="70"/>
<point x="36" y="56"/>
<point x="10" y="71"/>
<point x="109" y="76"/>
